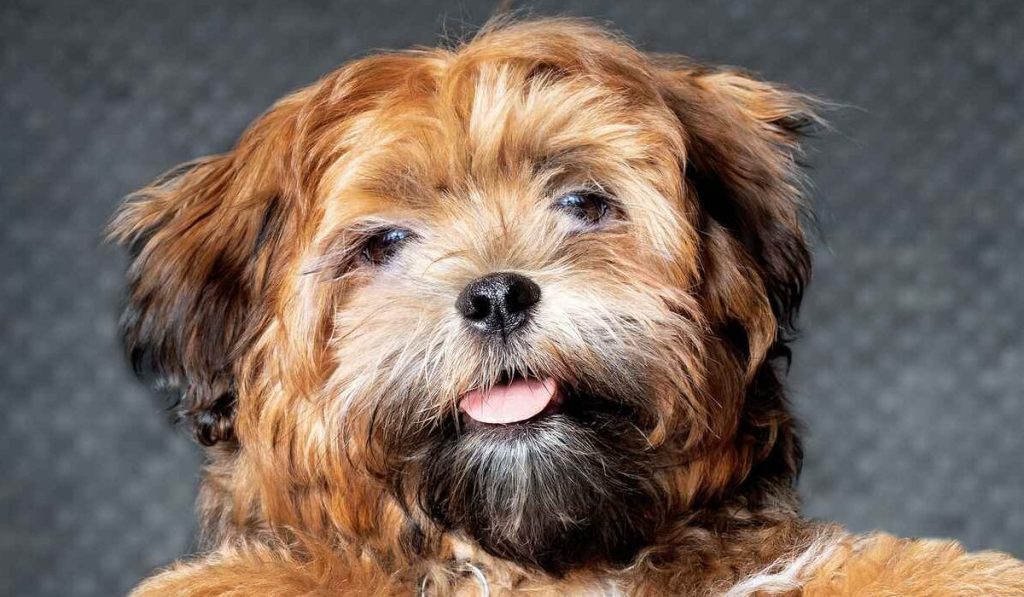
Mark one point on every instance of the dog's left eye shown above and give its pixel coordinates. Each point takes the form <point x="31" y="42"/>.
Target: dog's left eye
<point x="382" y="246"/>
<point x="588" y="207"/>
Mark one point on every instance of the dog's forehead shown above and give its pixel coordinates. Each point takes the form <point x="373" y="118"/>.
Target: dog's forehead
<point x="502" y="130"/>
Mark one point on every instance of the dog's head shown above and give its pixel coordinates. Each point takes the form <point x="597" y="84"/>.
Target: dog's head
<point x="526" y="291"/>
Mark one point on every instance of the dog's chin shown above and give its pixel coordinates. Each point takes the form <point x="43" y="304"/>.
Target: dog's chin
<point x="569" y="486"/>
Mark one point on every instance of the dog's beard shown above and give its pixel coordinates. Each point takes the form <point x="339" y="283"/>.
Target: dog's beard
<point x="554" y="492"/>
<point x="564" y="489"/>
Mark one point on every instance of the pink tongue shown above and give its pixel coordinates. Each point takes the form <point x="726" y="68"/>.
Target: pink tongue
<point x="509" y="403"/>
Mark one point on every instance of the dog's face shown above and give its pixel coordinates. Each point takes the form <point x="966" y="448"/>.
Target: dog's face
<point x="522" y="291"/>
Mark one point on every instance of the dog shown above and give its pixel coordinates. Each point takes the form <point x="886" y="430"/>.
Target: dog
<point x="505" y="317"/>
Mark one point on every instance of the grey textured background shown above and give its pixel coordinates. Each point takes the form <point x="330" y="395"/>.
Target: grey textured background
<point x="909" y="377"/>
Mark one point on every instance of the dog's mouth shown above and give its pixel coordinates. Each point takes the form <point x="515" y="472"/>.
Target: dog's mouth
<point x="544" y="471"/>
<point x="513" y="400"/>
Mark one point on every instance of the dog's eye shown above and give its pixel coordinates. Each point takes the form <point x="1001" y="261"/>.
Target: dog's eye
<point x="382" y="246"/>
<point x="586" y="206"/>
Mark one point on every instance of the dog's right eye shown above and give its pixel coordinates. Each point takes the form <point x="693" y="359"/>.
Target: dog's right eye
<point x="382" y="246"/>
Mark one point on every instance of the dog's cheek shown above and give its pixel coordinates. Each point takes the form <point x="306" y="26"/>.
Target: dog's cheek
<point x="392" y="361"/>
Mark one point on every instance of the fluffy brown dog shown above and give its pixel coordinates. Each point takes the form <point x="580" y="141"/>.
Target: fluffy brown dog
<point x="505" y="317"/>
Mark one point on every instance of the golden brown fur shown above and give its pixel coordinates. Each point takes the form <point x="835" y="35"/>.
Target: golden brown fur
<point x="326" y="387"/>
<point x="883" y="565"/>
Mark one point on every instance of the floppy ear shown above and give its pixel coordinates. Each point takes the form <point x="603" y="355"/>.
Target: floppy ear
<point x="742" y="138"/>
<point x="202" y="244"/>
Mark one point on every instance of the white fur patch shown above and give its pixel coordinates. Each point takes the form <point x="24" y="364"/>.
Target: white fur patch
<point x="786" y="574"/>
<point x="609" y="588"/>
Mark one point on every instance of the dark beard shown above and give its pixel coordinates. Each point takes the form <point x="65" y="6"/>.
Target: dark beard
<point x="557" y="492"/>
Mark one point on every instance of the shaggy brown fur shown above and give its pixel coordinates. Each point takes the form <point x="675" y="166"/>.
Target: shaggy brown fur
<point x="298" y="293"/>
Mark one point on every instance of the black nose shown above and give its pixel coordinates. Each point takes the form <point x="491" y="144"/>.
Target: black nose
<point x="499" y="302"/>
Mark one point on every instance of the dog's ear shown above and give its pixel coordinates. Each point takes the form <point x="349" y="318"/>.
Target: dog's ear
<point x="741" y="169"/>
<point x="742" y="139"/>
<point x="202" y="241"/>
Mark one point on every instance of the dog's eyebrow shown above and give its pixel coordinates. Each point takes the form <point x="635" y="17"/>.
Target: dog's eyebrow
<point x="556" y="161"/>
<point x="566" y="171"/>
<point x="554" y="172"/>
<point x="572" y="161"/>
<point x="394" y="182"/>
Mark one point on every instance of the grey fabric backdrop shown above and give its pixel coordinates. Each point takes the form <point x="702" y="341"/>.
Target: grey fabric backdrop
<point x="909" y="377"/>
